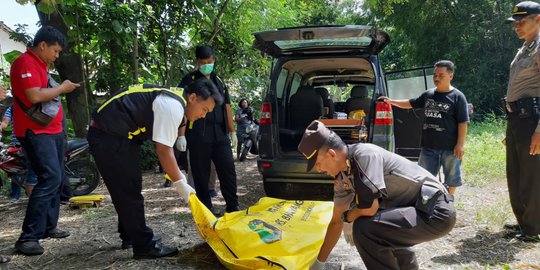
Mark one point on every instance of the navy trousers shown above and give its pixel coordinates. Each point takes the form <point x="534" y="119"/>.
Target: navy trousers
<point x="46" y="154"/>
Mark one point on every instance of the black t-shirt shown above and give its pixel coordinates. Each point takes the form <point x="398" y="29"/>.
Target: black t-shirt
<point x="443" y="113"/>
<point x="214" y="126"/>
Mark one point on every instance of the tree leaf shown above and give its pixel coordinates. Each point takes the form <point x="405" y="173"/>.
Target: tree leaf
<point x="47" y="8"/>
<point x="117" y="27"/>
<point x="11" y="56"/>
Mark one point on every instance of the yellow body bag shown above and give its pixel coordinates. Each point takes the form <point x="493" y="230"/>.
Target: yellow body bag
<point x="272" y="234"/>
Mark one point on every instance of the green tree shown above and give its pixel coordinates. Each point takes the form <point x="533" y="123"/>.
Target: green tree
<point x="471" y="33"/>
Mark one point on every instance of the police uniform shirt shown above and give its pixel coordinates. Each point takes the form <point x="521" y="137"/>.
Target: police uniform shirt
<point x="393" y="179"/>
<point x="524" y="78"/>
<point x="168" y="115"/>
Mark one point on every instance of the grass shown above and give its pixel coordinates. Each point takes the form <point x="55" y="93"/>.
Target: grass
<point x="485" y="155"/>
<point x="181" y="217"/>
<point x="494" y="215"/>
<point x="99" y="212"/>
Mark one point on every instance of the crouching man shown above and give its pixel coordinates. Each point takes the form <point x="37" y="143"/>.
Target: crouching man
<point x="391" y="202"/>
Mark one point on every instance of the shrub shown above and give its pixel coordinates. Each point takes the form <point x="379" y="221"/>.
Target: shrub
<point x="149" y="159"/>
<point x="485" y="155"/>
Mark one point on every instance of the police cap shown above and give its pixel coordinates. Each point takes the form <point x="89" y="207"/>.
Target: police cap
<point x="315" y="135"/>
<point x="524" y="9"/>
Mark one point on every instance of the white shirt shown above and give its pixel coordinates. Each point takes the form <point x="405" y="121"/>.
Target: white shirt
<point x="168" y="115"/>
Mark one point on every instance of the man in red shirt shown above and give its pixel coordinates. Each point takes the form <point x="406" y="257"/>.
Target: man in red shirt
<point x="44" y="145"/>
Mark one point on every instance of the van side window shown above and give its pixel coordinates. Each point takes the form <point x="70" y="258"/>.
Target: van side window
<point x="280" y="83"/>
<point x="295" y="84"/>
<point x="409" y="84"/>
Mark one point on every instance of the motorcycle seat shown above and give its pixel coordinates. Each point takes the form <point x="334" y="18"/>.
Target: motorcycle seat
<point x="74" y="144"/>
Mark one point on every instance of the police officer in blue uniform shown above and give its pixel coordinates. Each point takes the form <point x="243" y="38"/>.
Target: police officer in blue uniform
<point x="208" y="139"/>
<point x="117" y="130"/>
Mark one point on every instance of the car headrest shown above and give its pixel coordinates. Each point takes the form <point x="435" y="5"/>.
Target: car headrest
<point x="305" y="88"/>
<point x="322" y="91"/>
<point x="359" y="91"/>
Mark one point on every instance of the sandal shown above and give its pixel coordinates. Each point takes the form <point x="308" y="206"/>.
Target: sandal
<point x="4" y="258"/>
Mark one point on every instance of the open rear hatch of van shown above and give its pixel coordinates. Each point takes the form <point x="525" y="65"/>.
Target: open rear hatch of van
<point x="321" y="39"/>
<point x="310" y="58"/>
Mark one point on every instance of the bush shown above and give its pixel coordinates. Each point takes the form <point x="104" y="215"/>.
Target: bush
<point x="484" y="161"/>
<point x="149" y="159"/>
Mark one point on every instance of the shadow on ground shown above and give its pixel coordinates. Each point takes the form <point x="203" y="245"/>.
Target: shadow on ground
<point x="485" y="248"/>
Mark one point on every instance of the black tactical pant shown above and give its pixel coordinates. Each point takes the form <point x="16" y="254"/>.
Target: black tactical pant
<point x="200" y="155"/>
<point x="384" y="240"/>
<point x="118" y="161"/>
<point x="523" y="173"/>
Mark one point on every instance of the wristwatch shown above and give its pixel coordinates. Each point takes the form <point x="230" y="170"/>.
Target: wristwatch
<point x="344" y="216"/>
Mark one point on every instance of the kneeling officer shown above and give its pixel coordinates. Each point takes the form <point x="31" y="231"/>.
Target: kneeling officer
<point x="118" y="129"/>
<point x="392" y="202"/>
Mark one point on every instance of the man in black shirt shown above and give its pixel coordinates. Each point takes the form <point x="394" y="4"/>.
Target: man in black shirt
<point x="208" y="138"/>
<point x="445" y="125"/>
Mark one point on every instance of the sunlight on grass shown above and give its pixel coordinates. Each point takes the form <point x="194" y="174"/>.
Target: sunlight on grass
<point x="495" y="215"/>
<point x="485" y="155"/>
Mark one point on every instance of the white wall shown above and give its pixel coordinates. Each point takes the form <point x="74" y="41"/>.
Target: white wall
<point x="8" y="45"/>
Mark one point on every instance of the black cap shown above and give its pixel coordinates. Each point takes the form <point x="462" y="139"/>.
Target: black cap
<point x="524" y="9"/>
<point x="203" y="52"/>
<point x="313" y="139"/>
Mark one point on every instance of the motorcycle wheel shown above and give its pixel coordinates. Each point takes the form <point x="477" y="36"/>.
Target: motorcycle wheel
<point x="245" y="150"/>
<point x="83" y="176"/>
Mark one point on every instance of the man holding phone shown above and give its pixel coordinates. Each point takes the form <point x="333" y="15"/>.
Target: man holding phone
<point x="44" y="144"/>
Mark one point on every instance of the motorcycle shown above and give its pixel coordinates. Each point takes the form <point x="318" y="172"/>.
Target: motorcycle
<point x="250" y="141"/>
<point x="81" y="172"/>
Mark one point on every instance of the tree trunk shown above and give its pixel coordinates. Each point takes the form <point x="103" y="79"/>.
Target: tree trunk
<point x="217" y="26"/>
<point x="135" y="59"/>
<point x="70" y="67"/>
<point x="114" y="51"/>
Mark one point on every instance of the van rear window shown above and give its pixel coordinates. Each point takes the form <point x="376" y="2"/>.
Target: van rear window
<point x="314" y="43"/>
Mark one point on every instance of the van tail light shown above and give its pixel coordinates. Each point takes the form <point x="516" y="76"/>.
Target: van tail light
<point x="266" y="114"/>
<point x="383" y="113"/>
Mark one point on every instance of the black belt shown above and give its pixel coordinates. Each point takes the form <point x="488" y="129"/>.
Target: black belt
<point x="516" y="106"/>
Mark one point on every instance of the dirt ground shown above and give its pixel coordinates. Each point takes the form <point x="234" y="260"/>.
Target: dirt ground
<point x="475" y="243"/>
